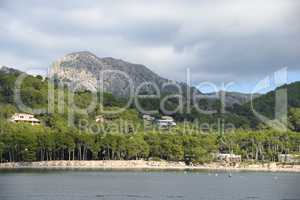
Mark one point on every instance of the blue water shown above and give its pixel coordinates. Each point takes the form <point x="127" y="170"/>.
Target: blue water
<point x="139" y="185"/>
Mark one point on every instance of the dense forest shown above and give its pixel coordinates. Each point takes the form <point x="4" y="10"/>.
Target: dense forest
<point x="127" y="137"/>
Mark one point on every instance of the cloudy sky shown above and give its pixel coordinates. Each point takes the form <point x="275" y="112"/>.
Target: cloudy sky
<point x="218" y="40"/>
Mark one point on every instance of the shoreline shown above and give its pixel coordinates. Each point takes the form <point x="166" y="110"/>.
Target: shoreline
<point x="147" y="165"/>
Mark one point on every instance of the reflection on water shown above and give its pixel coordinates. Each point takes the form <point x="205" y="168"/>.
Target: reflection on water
<point x="124" y="185"/>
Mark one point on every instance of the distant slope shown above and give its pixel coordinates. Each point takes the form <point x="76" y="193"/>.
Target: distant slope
<point x="265" y="104"/>
<point x="34" y="93"/>
<point x="8" y="70"/>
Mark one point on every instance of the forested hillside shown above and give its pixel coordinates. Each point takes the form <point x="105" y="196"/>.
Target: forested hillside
<point x="265" y="105"/>
<point x="126" y="137"/>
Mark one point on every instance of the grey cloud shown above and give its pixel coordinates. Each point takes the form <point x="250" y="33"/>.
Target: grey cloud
<point x="218" y="41"/>
<point x="251" y="55"/>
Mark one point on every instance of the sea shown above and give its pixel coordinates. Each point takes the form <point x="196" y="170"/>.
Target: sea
<point x="147" y="185"/>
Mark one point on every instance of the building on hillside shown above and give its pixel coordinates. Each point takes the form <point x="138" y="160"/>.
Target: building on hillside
<point x="148" y="118"/>
<point x="166" y="121"/>
<point x="289" y="158"/>
<point x="26" y="118"/>
<point x="106" y="118"/>
<point x="167" y="118"/>
<point x="99" y="119"/>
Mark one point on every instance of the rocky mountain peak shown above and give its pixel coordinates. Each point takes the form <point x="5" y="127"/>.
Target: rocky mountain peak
<point x="116" y="76"/>
<point x="86" y="68"/>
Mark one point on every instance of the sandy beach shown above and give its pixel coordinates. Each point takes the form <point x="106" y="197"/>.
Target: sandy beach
<point x="149" y="165"/>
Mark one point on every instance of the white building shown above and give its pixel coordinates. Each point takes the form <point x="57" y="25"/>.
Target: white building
<point x="289" y="158"/>
<point x="148" y="118"/>
<point x="166" y="121"/>
<point x="24" y="117"/>
<point x="99" y="119"/>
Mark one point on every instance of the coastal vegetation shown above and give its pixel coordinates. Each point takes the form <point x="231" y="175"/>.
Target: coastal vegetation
<point x="126" y="137"/>
<point x="23" y="142"/>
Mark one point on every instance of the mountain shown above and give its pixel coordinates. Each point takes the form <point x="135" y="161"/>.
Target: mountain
<point x="85" y="70"/>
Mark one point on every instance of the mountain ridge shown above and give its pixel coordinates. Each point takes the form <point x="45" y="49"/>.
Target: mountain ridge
<point x="84" y="67"/>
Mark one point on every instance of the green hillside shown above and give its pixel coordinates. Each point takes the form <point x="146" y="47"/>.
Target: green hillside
<point x="124" y="136"/>
<point x="265" y="105"/>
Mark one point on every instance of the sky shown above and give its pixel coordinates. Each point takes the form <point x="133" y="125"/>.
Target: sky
<point x="219" y="41"/>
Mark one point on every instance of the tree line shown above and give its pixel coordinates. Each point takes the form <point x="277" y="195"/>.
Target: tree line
<point x="22" y="142"/>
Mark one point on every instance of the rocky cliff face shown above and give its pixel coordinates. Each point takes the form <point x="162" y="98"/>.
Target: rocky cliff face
<point x="108" y="74"/>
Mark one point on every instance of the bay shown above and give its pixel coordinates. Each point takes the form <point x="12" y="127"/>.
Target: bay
<point x="139" y="185"/>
